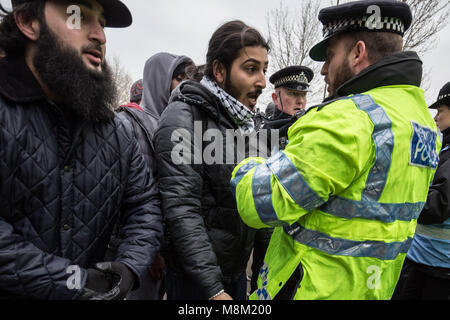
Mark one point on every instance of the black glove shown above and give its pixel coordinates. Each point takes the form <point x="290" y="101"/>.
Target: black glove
<point x="97" y="282"/>
<point x="123" y="279"/>
<point x="300" y="113"/>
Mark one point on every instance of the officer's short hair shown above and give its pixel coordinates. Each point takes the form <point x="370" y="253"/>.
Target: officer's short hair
<point x="378" y="44"/>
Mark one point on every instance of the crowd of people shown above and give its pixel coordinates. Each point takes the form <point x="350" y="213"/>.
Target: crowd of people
<point x="348" y="199"/>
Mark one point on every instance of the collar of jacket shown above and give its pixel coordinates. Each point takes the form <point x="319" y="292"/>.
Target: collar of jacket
<point x="278" y="114"/>
<point x="445" y="137"/>
<point x="17" y="82"/>
<point x="402" y="68"/>
<point x="195" y="94"/>
<point x="278" y="120"/>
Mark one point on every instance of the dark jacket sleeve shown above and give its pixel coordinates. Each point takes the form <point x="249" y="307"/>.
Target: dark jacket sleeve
<point x="181" y="183"/>
<point x="437" y="207"/>
<point x="29" y="272"/>
<point x="143" y="127"/>
<point x="141" y="216"/>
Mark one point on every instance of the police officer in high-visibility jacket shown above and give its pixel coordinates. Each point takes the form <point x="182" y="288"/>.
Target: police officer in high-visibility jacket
<point x="345" y="194"/>
<point x="426" y="271"/>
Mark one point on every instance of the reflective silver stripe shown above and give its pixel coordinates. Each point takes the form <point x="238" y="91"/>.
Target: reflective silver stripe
<point x="433" y="232"/>
<point x="293" y="182"/>
<point x="262" y="197"/>
<point x="368" y="207"/>
<point x="371" y="210"/>
<point x="343" y="247"/>
<point x="240" y="174"/>
<point x="383" y="138"/>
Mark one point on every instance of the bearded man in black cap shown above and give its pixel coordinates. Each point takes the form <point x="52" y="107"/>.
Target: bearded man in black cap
<point x="345" y="194"/>
<point x="69" y="169"/>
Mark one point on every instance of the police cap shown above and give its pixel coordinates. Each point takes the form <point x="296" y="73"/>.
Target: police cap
<point x="443" y="97"/>
<point x="370" y="16"/>
<point x="293" y="78"/>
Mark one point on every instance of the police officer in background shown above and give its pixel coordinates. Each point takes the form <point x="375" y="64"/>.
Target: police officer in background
<point x="426" y="272"/>
<point x="289" y="101"/>
<point x="345" y="194"/>
<point x="291" y="86"/>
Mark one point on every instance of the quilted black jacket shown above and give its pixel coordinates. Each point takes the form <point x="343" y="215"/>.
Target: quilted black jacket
<point x="63" y="185"/>
<point x="208" y="242"/>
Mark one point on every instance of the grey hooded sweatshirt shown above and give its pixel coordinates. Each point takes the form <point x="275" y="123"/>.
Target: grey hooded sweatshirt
<point x="157" y="79"/>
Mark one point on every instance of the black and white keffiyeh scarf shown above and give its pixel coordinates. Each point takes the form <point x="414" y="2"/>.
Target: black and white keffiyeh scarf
<point x="242" y="116"/>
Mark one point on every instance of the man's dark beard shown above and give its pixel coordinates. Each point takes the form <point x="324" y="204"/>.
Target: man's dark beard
<point x="342" y="76"/>
<point x="89" y="94"/>
<point x="232" y="90"/>
<point x="229" y="88"/>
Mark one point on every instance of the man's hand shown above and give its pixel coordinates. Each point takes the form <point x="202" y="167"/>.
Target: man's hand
<point x="124" y="279"/>
<point x="157" y="268"/>
<point x="97" y="283"/>
<point x="121" y="280"/>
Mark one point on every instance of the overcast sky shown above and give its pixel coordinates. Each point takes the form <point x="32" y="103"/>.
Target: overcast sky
<point x="184" y="27"/>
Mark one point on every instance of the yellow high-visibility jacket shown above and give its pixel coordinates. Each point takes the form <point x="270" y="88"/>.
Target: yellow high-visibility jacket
<point x="344" y="196"/>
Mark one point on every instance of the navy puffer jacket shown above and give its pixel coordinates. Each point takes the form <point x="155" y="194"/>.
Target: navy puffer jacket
<point x="62" y="190"/>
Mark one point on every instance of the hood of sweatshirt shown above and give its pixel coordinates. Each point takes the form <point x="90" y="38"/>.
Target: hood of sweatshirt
<point x="157" y="80"/>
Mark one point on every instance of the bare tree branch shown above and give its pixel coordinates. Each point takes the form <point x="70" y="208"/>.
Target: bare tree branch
<point x="429" y="18"/>
<point x="293" y="32"/>
<point x="122" y="79"/>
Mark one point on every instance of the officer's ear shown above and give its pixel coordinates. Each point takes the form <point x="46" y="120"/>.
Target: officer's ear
<point x="220" y="73"/>
<point x="359" y="57"/>
<point x="28" y="26"/>
<point x="275" y="97"/>
<point x="359" y="52"/>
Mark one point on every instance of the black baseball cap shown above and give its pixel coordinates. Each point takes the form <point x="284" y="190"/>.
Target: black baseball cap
<point x="116" y="13"/>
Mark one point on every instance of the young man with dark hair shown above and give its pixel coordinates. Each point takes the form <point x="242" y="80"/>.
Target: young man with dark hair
<point x="345" y="194"/>
<point x="209" y="246"/>
<point x="69" y="169"/>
